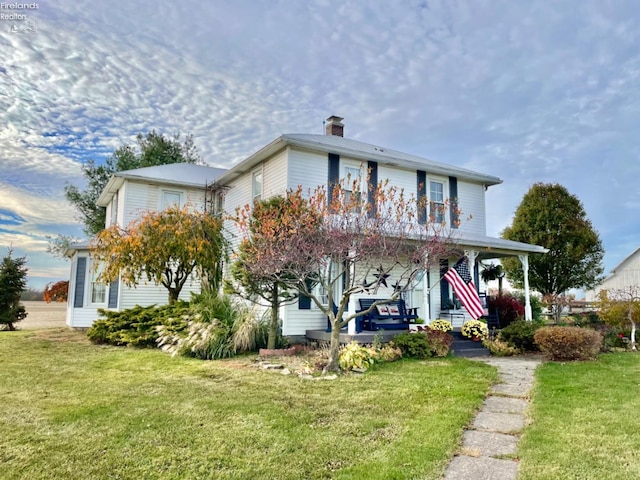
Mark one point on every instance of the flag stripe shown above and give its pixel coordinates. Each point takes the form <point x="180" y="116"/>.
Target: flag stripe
<point x="465" y="290"/>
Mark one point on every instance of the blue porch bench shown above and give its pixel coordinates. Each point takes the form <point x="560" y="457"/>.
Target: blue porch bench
<point x="393" y="315"/>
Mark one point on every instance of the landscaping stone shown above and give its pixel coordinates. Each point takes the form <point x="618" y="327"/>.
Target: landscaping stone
<point x="489" y="444"/>
<point x="272" y="366"/>
<point x="481" y="468"/>
<point x="499" y="422"/>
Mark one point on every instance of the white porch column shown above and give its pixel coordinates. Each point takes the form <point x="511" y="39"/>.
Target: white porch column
<point x="524" y="259"/>
<point x="351" y="309"/>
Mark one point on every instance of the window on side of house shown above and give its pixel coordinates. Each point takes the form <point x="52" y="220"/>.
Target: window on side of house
<point x="354" y="186"/>
<point x="114" y="209"/>
<point x="97" y="290"/>
<point x="437" y="212"/>
<point x="256" y="186"/>
<point x="170" y="198"/>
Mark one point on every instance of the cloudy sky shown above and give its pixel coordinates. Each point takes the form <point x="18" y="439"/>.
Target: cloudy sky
<point x="525" y="90"/>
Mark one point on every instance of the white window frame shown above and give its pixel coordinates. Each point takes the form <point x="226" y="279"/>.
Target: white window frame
<point x="164" y="191"/>
<point x="255" y="195"/>
<point x="114" y="210"/>
<point x="430" y="199"/>
<point x="92" y="284"/>
<point x="348" y="170"/>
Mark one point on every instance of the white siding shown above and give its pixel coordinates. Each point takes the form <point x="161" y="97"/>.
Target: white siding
<point x="307" y="169"/>
<point x="275" y="175"/>
<point x="626" y="275"/>
<point x="147" y="293"/>
<point x="471" y="201"/>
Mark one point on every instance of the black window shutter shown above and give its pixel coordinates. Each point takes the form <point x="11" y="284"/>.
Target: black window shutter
<point x="81" y="275"/>
<point x="304" y="302"/>
<point x="444" y="285"/>
<point x="422" y="196"/>
<point x="113" y="294"/>
<point x="372" y="170"/>
<point x="334" y="174"/>
<point x="453" y="201"/>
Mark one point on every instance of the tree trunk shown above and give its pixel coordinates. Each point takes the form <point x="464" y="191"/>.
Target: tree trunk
<point x="633" y="335"/>
<point x="273" y="325"/>
<point x="500" y="286"/>
<point x="173" y="295"/>
<point x="334" y="349"/>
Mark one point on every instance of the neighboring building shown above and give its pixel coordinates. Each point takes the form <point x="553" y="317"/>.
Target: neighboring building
<point x="626" y="274"/>
<point x="310" y="161"/>
<point x="127" y="196"/>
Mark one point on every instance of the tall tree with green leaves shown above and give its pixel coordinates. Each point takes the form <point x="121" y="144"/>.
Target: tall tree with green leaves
<point x="552" y="217"/>
<point x="13" y="281"/>
<point x="152" y="149"/>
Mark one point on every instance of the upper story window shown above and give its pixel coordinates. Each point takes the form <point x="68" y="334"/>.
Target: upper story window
<point x="437" y="212"/>
<point x="353" y="186"/>
<point x="170" y="198"/>
<point x="256" y="186"/>
<point x="114" y="209"/>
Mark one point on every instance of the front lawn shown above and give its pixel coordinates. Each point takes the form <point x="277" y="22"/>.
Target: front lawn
<point x="585" y="421"/>
<point x="71" y="409"/>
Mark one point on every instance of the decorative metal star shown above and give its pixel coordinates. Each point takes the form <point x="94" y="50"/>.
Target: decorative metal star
<point x="382" y="277"/>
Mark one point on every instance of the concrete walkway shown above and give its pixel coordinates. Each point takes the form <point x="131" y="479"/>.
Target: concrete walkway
<point x="489" y="445"/>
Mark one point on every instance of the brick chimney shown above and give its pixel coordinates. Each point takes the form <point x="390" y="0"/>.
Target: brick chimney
<point x="334" y="126"/>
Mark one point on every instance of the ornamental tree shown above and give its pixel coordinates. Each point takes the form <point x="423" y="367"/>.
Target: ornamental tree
<point x="621" y="307"/>
<point x="164" y="247"/>
<point x="13" y="281"/>
<point x="270" y="224"/>
<point x="56" y="292"/>
<point x="553" y="218"/>
<point x="335" y="245"/>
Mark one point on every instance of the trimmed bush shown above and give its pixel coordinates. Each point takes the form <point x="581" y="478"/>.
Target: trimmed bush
<point x="520" y="335"/>
<point x="499" y="348"/>
<point x="439" y="342"/>
<point x="136" y="326"/>
<point x="568" y="343"/>
<point x="413" y="345"/>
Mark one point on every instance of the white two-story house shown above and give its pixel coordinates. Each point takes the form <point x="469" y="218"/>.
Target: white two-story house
<point x="309" y="161"/>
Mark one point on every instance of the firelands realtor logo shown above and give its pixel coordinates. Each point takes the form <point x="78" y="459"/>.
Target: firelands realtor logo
<point x="18" y="15"/>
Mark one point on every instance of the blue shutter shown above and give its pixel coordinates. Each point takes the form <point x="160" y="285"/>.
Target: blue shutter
<point x="422" y="196"/>
<point x="304" y="302"/>
<point x="81" y="275"/>
<point x="372" y="168"/>
<point x="444" y="285"/>
<point x="334" y="174"/>
<point x="113" y="294"/>
<point x="453" y="201"/>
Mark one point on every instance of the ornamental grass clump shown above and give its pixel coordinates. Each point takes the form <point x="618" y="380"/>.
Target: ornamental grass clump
<point x="475" y="329"/>
<point x="442" y="325"/>
<point x="568" y="343"/>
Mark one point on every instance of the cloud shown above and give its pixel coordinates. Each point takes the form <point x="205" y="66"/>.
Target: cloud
<point x="529" y="92"/>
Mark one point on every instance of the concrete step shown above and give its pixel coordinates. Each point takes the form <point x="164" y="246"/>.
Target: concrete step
<point x="465" y="347"/>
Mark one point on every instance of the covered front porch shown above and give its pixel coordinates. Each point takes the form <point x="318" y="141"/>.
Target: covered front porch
<point x="430" y="295"/>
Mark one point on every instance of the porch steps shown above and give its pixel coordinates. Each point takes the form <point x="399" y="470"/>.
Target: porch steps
<point x="465" y="347"/>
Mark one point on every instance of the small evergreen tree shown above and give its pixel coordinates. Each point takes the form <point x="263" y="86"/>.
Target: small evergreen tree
<point x="13" y="281"/>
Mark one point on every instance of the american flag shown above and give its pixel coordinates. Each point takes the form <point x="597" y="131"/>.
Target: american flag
<point x="460" y="279"/>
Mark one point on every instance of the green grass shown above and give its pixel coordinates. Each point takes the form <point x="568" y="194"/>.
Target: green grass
<point x="585" y="421"/>
<point x="71" y="409"/>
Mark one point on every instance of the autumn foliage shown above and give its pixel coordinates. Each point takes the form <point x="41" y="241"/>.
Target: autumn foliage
<point x="56" y="292"/>
<point x="163" y="247"/>
<point x="345" y="241"/>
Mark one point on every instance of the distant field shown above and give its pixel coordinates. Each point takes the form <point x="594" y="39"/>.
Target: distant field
<point x="43" y="315"/>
